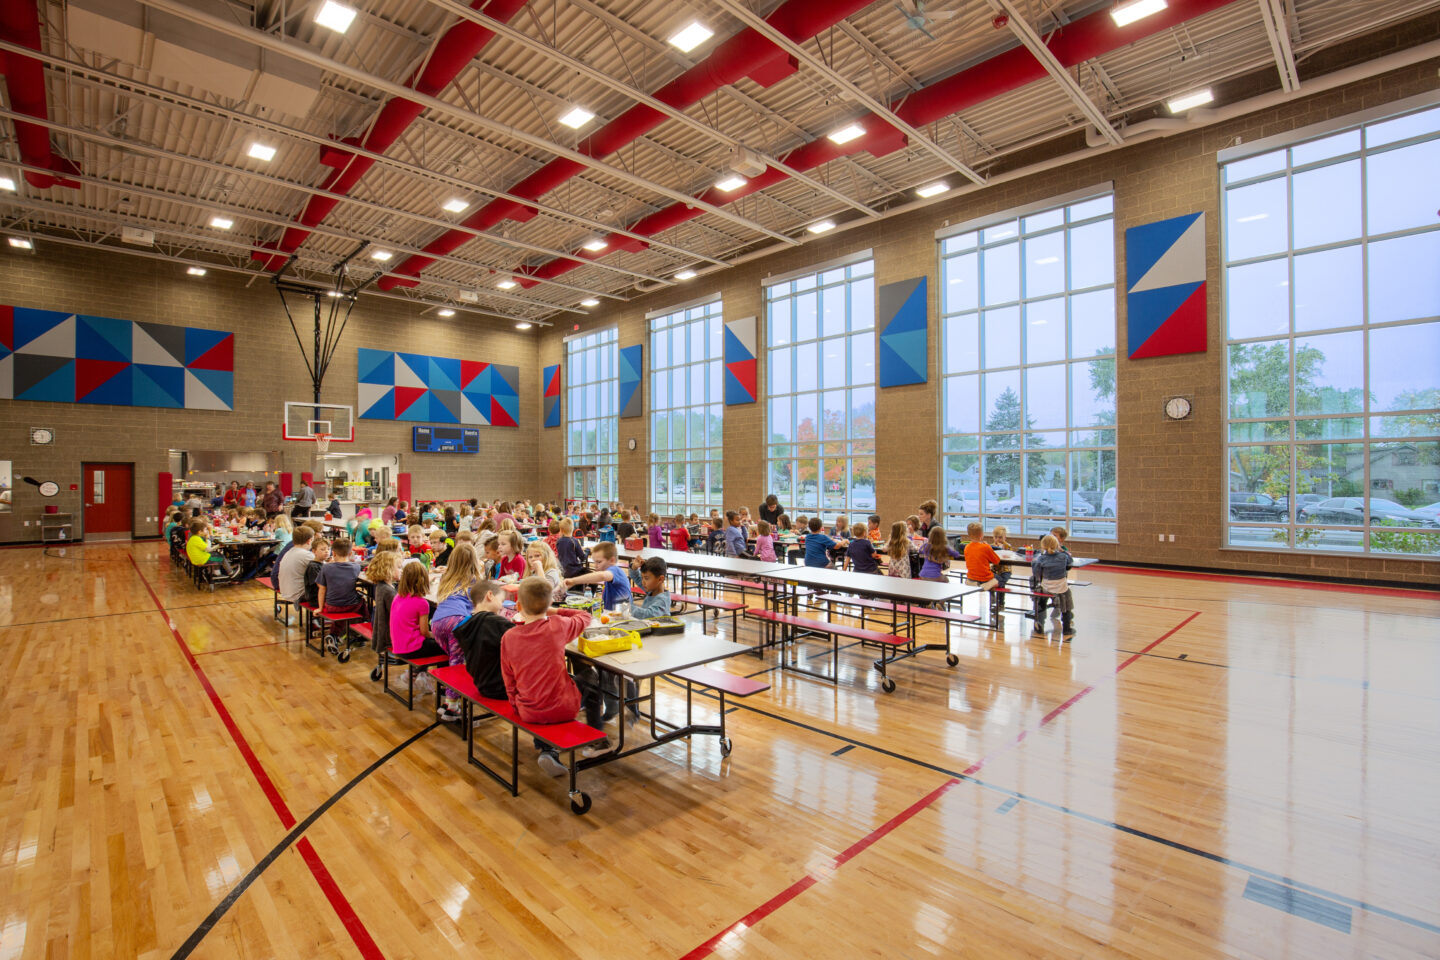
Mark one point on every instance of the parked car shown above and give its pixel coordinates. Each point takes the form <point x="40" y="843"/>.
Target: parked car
<point x="967" y="503"/>
<point x="1350" y="511"/>
<point x="1432" y="511"/>
<point x="1254" y="506"/>
<point x="1301" y="502"/>
<point x="1050" y="502"/>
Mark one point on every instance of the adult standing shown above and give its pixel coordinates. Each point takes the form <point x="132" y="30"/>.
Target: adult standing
<point x="304" y="500"/>
<point x="250" y="495"/>
<point x="771" y="510"/>
<point x="272" y="502"/>
<point x="232" y="493"/>
<point x="927" y="517"/>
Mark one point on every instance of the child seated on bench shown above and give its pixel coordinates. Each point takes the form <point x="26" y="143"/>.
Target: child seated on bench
<point x="335" y="583"/>
<point x="410" y="615"/>
<point x="460" y="576"/>
<point x="980" y="560"/>
<point x="610" y="572"/>
<point x="898" y="551"/>
<point x="479" y="636"/>
<point x="656" y="602"/>
<point x="1050" y="567"/>
<point x="532" y="664"/>
<point x="818" y="546"/>
<point x="320" y="547"/>
<point x="383" y="573"/>
<point x="999" y="542"/>
<point x="938" y="553"/>
<point x="197" y="548"/>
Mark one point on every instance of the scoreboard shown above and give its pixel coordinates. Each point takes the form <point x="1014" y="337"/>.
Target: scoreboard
<point x="446" y="439"/>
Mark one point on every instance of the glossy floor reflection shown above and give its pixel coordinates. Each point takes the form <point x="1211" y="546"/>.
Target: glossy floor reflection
<point x="1211" y="769"/>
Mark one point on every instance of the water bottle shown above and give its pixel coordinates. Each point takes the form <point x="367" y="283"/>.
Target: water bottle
<point x="1029" y="551"/>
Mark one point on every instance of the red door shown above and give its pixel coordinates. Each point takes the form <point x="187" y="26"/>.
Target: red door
<point x="106" y="489"/>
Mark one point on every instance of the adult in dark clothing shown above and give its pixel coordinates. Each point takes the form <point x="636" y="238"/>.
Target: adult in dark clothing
<point x="272" y="501"/>
<point x="770" y="510"/>
<point x="927" y="517"/>
<point x="304" y="500"/>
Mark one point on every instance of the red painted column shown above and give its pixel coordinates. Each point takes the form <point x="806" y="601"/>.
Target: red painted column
<point x="165" y="490"/>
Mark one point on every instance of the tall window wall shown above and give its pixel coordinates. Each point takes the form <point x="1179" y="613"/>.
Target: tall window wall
<point x="820" y="335"/>
<point x="592" y="451"/>
<point x="1028" y="368"/>
<point x="1332" y="312"/>
<point x="686" y="411"/>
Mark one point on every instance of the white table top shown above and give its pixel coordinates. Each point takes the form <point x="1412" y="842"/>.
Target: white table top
<point x="1010" y="556"/>
<point x="665" y="653"/>
<point x="872" y="584"/>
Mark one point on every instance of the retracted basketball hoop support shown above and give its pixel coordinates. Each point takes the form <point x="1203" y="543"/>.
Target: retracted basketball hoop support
<point x="339" y="299"/>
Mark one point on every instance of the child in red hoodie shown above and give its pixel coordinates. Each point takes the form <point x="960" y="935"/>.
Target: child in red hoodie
<point x="532" y="663"/>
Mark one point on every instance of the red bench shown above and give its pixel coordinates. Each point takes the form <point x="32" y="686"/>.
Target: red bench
<point x="416" y="665"/>
<point x="725" y="683"/>
<point x="710" y="603"/>
<point x="774" y="621"/>
<point x="898" y="610"/>
<point x="565" y="737"/>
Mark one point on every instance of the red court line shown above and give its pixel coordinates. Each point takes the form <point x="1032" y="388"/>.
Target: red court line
<point x="849" y="853"/>
<point x="1271" y="582"/>
<point x="343" y="909"/>
<point x="250" y="646"/>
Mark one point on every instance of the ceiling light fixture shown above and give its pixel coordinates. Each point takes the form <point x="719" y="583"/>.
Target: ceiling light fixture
<point x="261" y="151"/>
<point x="1187" y="101"/>
<point x="336" y="16"/>
<point x="1125" y="14"/>
<point x="221" y="223"/>
<point x="691" y="36"/>
<point x="523" y="325"/>
<point x="381" y="255"/>
<point x="846" y="133"/>
<point x="21" y="243"/>
<point x="507" y="284"/>
<point x="589" y="302"/>
<point x="334" y="293"/>
<point x="447" y="312"/>
<point x="595" y="245"/>
<point x="822" y="226"/>
<point x="686" y="274"/>
<point x="932" y="189"/>
<point x="7" y="184"/>
<point x="456" y="205"/>
<point x="733" y="182"/>
<point x="195" y="271"/>
<point x="577" y="117"/>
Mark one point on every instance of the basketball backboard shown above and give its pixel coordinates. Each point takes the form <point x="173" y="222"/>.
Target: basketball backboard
<point x="304" y="419"/>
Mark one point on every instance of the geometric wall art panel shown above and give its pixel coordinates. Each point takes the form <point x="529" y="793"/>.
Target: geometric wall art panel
<point x="903" y="329"/>
<point x="1165" y="287"/>
<point x="411" y="386"/>
<point x="631" y="370"/>
<point x="550" y="389"/>
<point x="740" y="361"/>
<point x="62" y="357"/>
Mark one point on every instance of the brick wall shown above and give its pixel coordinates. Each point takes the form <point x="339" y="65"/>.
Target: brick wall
<point x="268" y="371"/>
<point x="1172" y="476"/>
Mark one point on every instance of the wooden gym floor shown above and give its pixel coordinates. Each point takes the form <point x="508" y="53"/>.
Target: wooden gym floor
<point x="1213" y="768"/>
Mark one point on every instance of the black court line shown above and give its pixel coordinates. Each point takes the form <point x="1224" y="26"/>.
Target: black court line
<point x="130" y="613"/>
<point x="843" y="750"/>
<point x="1008" y="805"/>
<point x="221" y="908"/>
<point x="1098" y="821"/>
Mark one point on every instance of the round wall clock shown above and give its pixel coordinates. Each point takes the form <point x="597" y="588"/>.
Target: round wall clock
<point x="630" y="444"/>
<point x="1177" y="408"/>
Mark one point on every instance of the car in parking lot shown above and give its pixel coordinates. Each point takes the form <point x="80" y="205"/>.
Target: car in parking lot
<point x="1301" y="502"/>
<point x="1254" y="506"/>
<point x="1350" y="511"/>
<point x="1050" y="502"/>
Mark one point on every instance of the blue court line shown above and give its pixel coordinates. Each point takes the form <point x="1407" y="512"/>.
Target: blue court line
<point x="1008" y="805"/>
<point x="1297" y="903"/>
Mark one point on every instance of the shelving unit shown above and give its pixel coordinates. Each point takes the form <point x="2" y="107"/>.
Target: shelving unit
<point x="57" y="527"/>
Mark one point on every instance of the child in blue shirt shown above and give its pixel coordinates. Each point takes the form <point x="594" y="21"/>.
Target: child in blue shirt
<point x="656" y="602"/>
<point x="818" y="546"/>
<point x="735" y="536"/>
<point x="608" y="571"/>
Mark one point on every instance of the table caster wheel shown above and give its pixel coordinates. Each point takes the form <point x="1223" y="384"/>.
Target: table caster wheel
<point x="887" y="685"/>
<point x="726" y="746"/>
<point x="951" y="659"/>
<point x="376" y="674"/>
<point x="580" y="806"/>
<point x="344" y="655"/>
<point x="330" y="646"/>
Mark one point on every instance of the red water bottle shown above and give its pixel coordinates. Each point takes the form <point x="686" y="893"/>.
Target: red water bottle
<point x="1029" y="551"/>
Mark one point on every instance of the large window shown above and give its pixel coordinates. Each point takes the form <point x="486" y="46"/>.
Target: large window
<point x="1332" y="311"/>
<point x="820" y="333"/>
<point x="1028" y="362"/>
<point x="592" y="453"/>
<point x="686" y="380"/>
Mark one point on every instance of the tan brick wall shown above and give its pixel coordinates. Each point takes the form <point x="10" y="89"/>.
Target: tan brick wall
<point x="1161" y="464"/>
<point x="268" y="371"/>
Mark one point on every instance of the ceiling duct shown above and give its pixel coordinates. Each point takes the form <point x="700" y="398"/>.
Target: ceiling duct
<point x="25" y="82"/>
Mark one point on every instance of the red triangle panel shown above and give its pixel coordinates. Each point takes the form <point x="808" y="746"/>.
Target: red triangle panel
<point x="90" y="374"/>
<point x="1182" y="332"/>
<point x="469" y="370"/>
<point x="498" y="416"/>
<point x="405" y="396"/>
<point x="219" y="357"/>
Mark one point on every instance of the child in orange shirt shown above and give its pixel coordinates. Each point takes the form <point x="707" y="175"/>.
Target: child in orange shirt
<point x="980" y="560"/>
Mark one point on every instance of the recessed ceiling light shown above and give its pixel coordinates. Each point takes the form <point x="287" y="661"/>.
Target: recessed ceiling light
<point x="1125" y="14"/>
<point x="381" y="255"/>
<point x="447" y="312"/>
<point x="507" y="284"/>
<point x="21" y="243"/>
<point x="596" y="245"/>
<point x="261" y="151"/>
<point x="221" y="223"/>
<point x="1187" y="101"/>
<point x="694" y="34"/>
<point x="686" y="274"/>
<point x="456" y="205"/>
<point x="822" y="226"/>
<point x="7" y="184"/>
<point x="589" y="302"/>
<point x="847" y="133"/>
<point x="336" y="16"/>
<point x="334" y="293"/>
<point x="577" y="117"/>
<point x="732" y="182"/>
<point x="522" y="325"/>
<point x="932" y="189"/>
<point x="195" y="271"/>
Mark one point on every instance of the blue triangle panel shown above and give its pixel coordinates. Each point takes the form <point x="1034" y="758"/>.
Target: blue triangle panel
<point x="444" y="374"/>
<point x="198" y="342"/>
<point x="219" y="382"/>
<point x="382" y="409"/>
<point x="419" y="410"/>
<point x="1147" y="310"/>
<point x="103" y="338"/>
<point x="510" y="404"/>
<point x="445" y="406"/>
<point x="895" y="370"/>
<point x="119" y="390"/>
<point x="735" y="350"/>
<point x="419" y="365"/>
<point x="503" y="380"/>
<point x="157" y="386"/>
<point x="32" y="324"/>
<point x="375" y="366"/>
<point x="57" y="387"/>
<point x="735" y="392"/>
<point x="1147" y="243"/>
<point x="911" y="315"/>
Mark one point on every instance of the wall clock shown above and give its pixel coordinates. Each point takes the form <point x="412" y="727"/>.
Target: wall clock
<point x="630" y="444"/>
<point x="1177" y="408"/>
<point x="41" y="435"/>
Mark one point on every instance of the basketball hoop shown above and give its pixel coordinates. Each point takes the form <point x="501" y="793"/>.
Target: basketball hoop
<point x="322" y="443"/>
